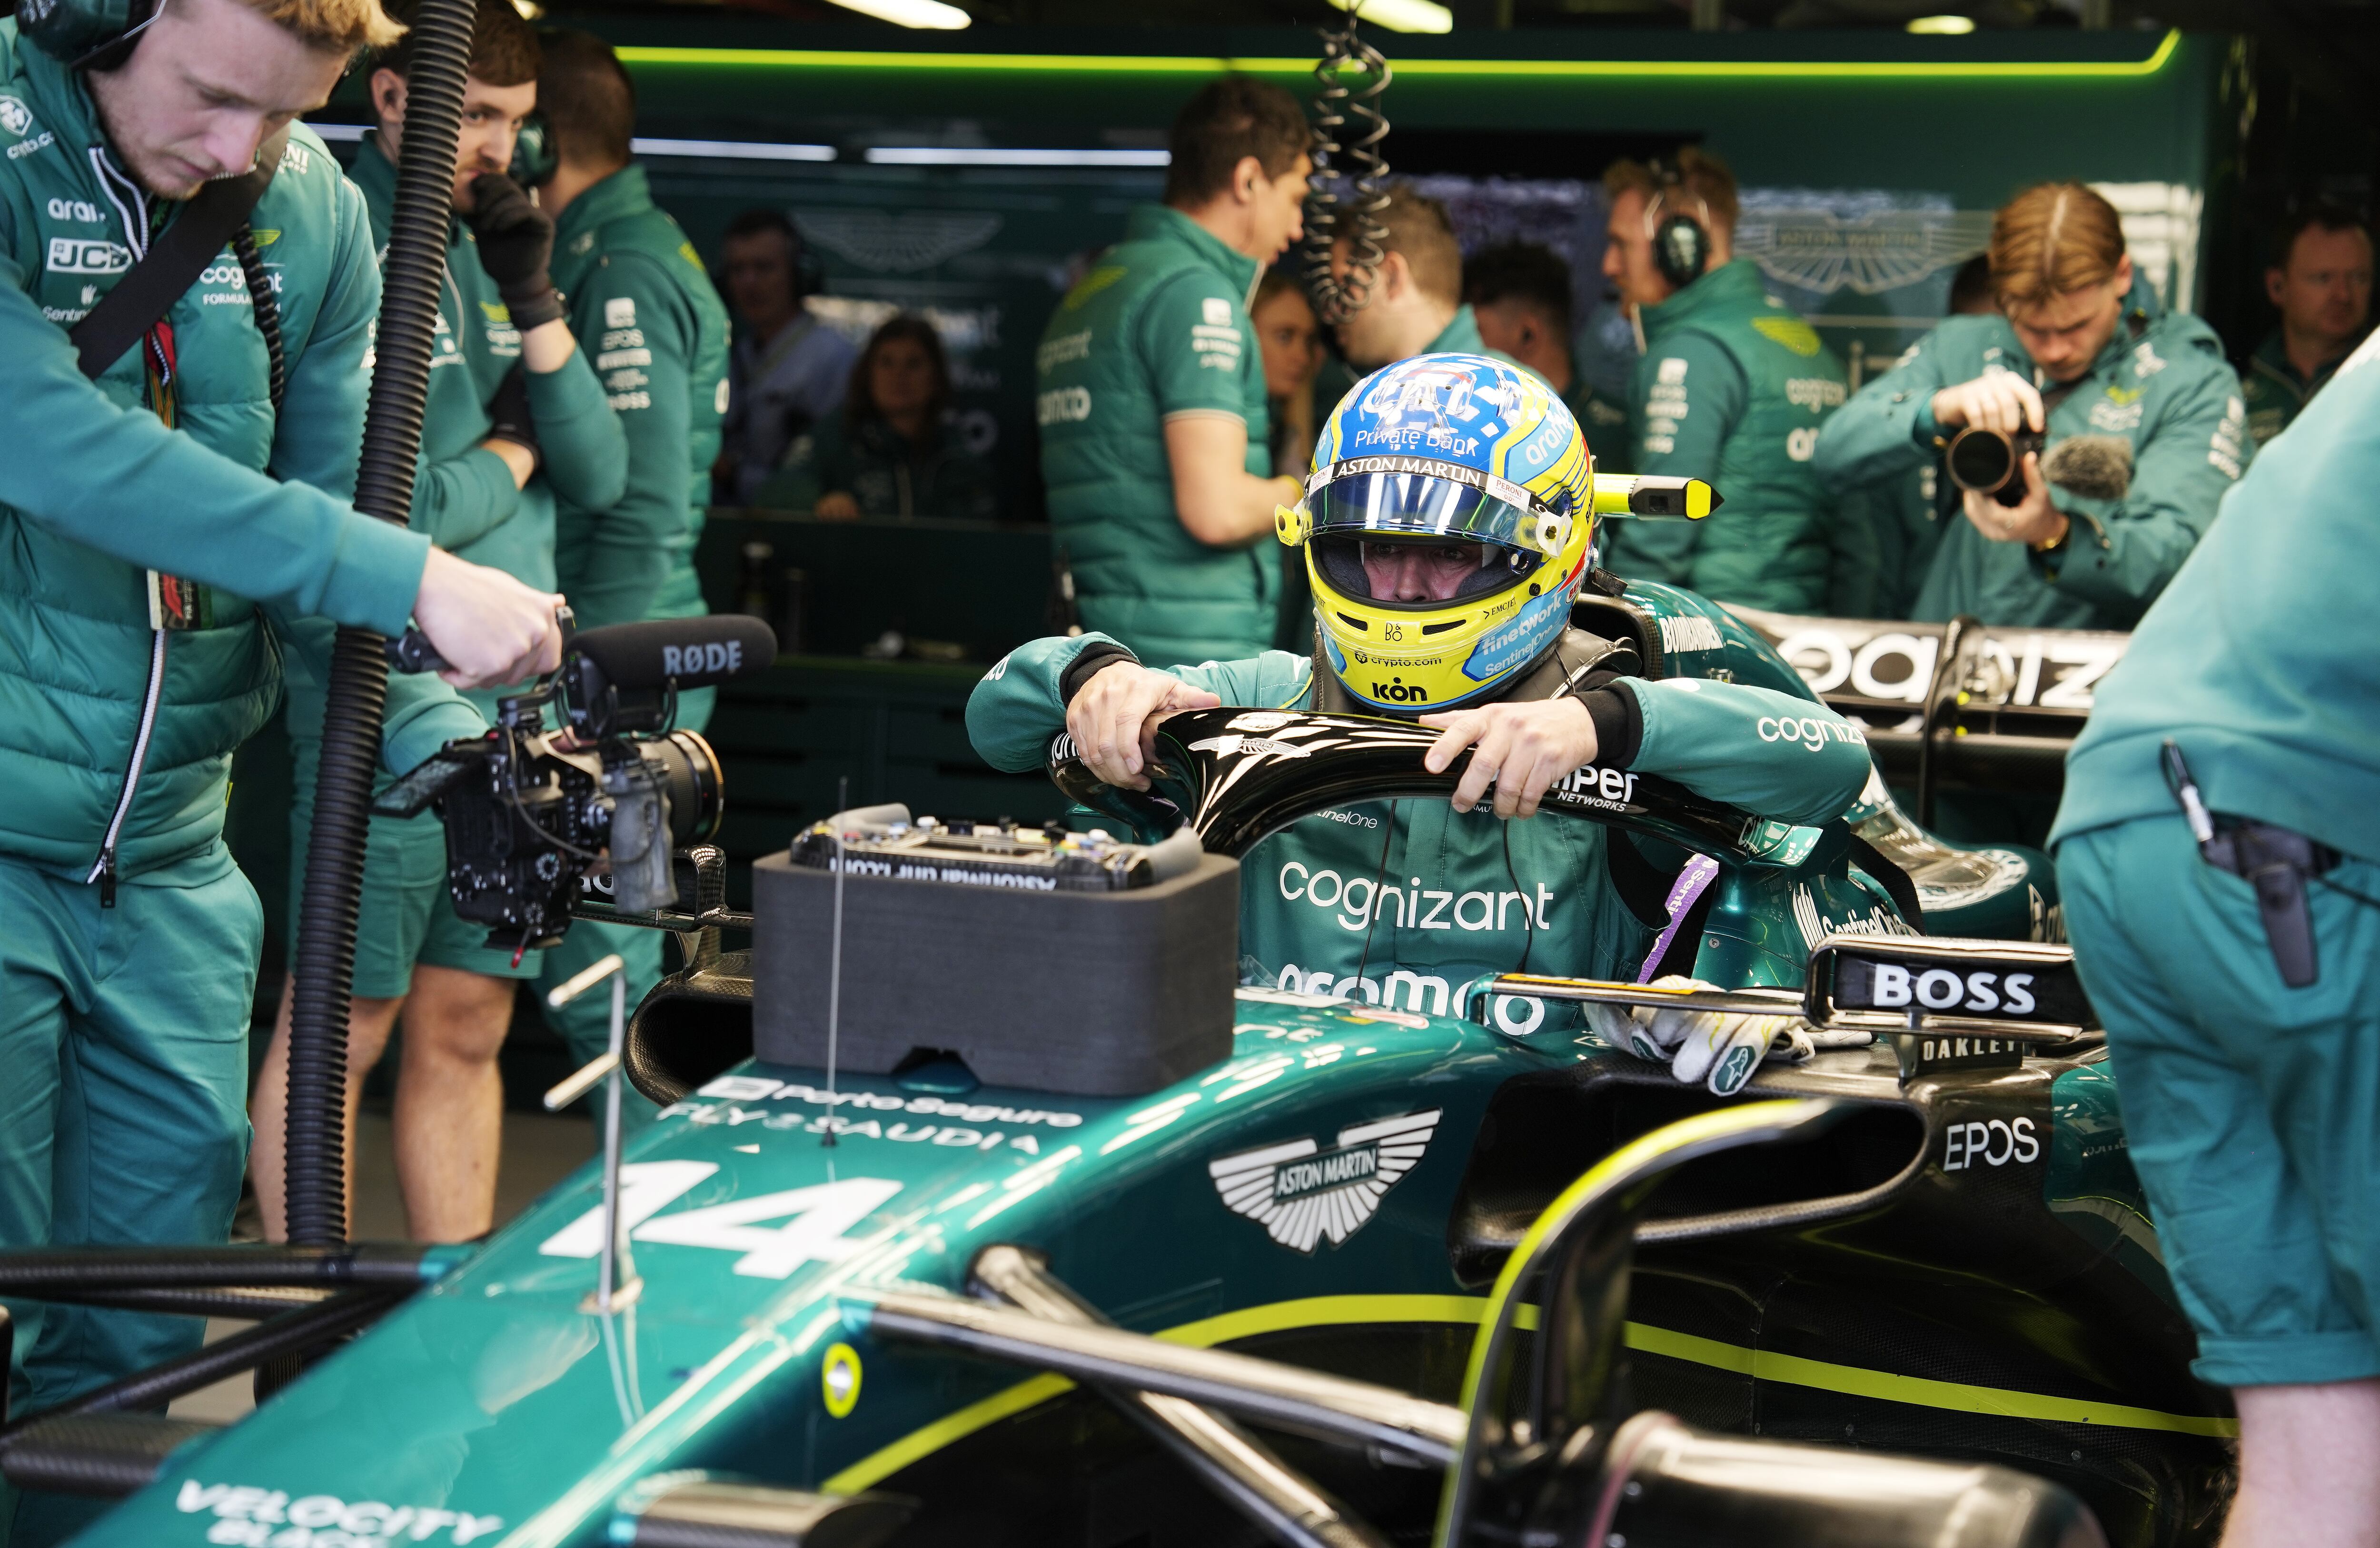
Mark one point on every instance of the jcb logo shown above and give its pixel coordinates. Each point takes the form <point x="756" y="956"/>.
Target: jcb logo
<point x="76" y="255"/>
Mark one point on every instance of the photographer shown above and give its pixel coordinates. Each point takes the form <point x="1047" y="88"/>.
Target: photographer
<point x="514" y="413"/>
<point x="162" y="529"/>
<point x="2321" y="284"/>
<point x="1733" y="388"/>
<point x="1151" y="396"/>
<point x="641" y="299"/>
<point x="2080" y="349"/>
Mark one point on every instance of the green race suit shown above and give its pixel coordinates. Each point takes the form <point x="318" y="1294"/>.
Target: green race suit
<point x="463" y="496"/>
<point x="1405" y="902"/>
<point x="2274" y="390"/>
<point x="123" y="1009"/>
<point x="2252" y="1107"/>
<point x="2160" y="383"/>
<point x="1157" y="330"/>
<point x="1733" y="388"/>
<point x="641" y="301"/>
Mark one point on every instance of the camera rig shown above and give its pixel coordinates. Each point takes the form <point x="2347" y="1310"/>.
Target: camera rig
<point x="530" y="810"/>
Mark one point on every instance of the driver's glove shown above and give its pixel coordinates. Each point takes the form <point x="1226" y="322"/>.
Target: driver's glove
<point x="1719" y="1049"/>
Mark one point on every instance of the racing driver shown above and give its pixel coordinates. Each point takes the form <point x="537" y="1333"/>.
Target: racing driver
<point x="1447" y="528"/>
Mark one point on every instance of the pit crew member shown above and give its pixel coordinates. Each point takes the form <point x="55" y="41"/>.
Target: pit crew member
<point x="1440" y="600"/>
<point x="514" y="413"/>
<point x="2082" y="346"/>
<point x="1732" y="387"/>
<point x="1519" y="298"/>
<point x="164" y="530"/>
<point x="2243" y="1015"/>
<point x="2321" y="284"/>
<point x="1151" y="398"/>
<point x="640" y="299"/>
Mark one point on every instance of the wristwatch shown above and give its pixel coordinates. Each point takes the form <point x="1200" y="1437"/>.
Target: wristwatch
<point x="2055" y="544"/>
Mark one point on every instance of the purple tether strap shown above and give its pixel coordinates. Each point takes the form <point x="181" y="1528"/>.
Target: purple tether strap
<point x="1690" y="886"/>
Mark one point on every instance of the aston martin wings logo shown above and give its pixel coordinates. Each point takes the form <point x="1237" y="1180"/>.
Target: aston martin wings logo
<point x="1302" y="1193"/>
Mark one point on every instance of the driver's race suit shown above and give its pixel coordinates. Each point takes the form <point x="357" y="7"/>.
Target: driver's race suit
<point x="1405" y="901"/>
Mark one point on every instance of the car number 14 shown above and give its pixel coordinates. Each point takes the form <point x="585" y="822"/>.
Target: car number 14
<point x="815" y="1219"/>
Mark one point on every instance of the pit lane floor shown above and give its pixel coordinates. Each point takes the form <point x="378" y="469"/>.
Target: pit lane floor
<point x="540" y="1151"/>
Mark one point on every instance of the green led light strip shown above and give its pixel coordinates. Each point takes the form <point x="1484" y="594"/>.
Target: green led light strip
<point x="1544" y="69"/>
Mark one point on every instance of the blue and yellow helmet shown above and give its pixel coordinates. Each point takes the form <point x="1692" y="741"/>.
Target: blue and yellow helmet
<point x="1473" y="458"/>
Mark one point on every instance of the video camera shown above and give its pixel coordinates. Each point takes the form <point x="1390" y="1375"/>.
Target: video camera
<point x="529" y="812"/>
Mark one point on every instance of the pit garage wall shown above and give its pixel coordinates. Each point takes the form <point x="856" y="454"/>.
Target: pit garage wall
<point x="1871" y="160"/>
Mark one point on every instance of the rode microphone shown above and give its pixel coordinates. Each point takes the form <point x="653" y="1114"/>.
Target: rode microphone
<point x="624" y="676"/>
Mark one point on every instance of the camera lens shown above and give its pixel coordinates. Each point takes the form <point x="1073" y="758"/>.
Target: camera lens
<point x="1980" y="459"/>
<point x="691" y="770"/>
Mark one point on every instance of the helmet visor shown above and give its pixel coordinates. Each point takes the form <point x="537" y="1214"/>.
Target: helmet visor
<point x="1412" y="505"/>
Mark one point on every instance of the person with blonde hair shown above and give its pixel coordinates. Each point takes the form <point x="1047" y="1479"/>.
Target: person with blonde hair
<point x="2078" y="348"/>
<point x="182" y="532"/>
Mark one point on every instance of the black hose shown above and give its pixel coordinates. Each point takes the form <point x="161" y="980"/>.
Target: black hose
<point x="59" y="1272"/>
<point x="268" y="313"/>
<point x="324" y="962"/>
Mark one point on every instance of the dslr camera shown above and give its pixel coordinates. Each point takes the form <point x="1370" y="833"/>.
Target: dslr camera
<point x="530" y="812"/>
<point x="1992" y="462"/>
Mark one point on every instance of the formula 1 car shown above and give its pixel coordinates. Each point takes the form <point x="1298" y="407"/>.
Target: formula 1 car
<point x="1358" y="1273"/>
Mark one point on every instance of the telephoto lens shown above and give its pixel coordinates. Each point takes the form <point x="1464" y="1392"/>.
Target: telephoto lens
<point x="690" y="774"/>
<point x="1991" y="461"/>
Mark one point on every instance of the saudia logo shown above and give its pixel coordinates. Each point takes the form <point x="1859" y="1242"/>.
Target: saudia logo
<point x="683" y="659"/>
<point x="1301" y="1193"/>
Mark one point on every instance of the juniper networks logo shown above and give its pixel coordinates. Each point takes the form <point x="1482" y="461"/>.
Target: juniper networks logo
<point x="1301" y="1192"/>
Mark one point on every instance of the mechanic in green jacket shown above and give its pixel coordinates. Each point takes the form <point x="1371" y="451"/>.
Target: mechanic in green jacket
<point x="1435" y="590"/>
<point x="150" y="579"/>
<point x="2321" y="284"/>
<point x="641" y="299"/>
<point x="512" y="414"/>
<point x="1150" y="391"/>
<point x="2243" y="1019"/>
<point x="1732" y="387"/>
<point x="2084" y="341"/>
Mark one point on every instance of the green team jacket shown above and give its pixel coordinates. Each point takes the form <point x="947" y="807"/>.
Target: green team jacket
<point x="2274" y="390"/>
<point x="2161" y="384"/>
<point x="1159" y="328"/>
<point x="1733" y="388"/>
<point x="250" y="505"/>
<point x="890" y="478"/>
<point x="642" y="303"/>
<point x="2257" y="659"/>
<point x="1409" y="899"/>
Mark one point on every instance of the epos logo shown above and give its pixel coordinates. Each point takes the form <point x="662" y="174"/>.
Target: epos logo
<point x="1991" y="1142"/>
<point x="1940" y="988"/>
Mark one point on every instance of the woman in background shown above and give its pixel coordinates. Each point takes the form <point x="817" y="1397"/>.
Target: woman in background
<point x="890" y="452"/>
<point x="1291" y="342"/>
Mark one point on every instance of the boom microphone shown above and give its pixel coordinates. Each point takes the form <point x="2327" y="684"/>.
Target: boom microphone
<point x="696" y="652"/>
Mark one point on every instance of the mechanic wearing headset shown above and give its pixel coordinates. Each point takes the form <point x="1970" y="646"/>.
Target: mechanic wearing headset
<point x="2079" y="344"/>
<point x="157" y="520"/>
<point x="1476" y="577"/>
<point x="641" y="299"/>
<point x="2217" y="847"/>
<point x="514" y="414"/>
<point x="1732" y="387"/>
<point x="1151" y="394"/>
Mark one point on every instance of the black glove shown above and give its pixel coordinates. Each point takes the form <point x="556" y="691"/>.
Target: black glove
<point x="509" y="408"/>
<point x="516" y="242"/>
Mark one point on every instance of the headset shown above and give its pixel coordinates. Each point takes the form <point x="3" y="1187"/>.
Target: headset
<point x="1682" y="243"/>
<point x="535" y="154"/>
<point x="87" y="34"/>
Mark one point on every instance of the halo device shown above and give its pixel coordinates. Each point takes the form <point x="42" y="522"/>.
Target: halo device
<point x="528" y="810"/>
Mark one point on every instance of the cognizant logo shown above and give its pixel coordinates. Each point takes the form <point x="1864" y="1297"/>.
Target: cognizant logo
<point x="1355" y="902"/>
<point x="1809" y="730"/>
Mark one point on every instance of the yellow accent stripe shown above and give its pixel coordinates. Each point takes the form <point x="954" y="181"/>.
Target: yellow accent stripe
<point x="1547" y="69"/>
<point x="1377" y="1310"/>
<point x="1765" y="1365"/>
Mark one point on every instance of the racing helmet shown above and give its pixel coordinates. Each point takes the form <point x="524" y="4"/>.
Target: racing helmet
<point x="1477" y="464"/>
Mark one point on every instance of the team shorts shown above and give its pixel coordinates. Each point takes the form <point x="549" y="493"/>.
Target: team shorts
<point x="2252" y="1109"/>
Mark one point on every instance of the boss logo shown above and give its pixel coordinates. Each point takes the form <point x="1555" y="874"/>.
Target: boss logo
<point x="1961" y="980"/>
<point x="1940" y="988"/>
<point x="680" y="661"/>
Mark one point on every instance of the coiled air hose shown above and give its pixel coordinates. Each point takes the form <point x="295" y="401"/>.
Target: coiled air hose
<point x="1348" y="129"/>
<point x="324" y="962"/>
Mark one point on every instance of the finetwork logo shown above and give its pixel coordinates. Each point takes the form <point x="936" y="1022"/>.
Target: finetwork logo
<point x="1301" y="1193"/>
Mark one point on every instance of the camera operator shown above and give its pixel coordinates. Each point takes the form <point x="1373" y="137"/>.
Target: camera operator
<point x="2320" y="283"/>
<point x="2080" y="348"/>
<point x="787" y="372"/>
<point x="157" y="525"/>
<point x="514" y="413"/>
<point x="640" y="296"/>
<point x="2217" y="850"/>
<point x="1520" y="298"/>
<point x="1151" y="394"/>
<point x="1733" y="388"/>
